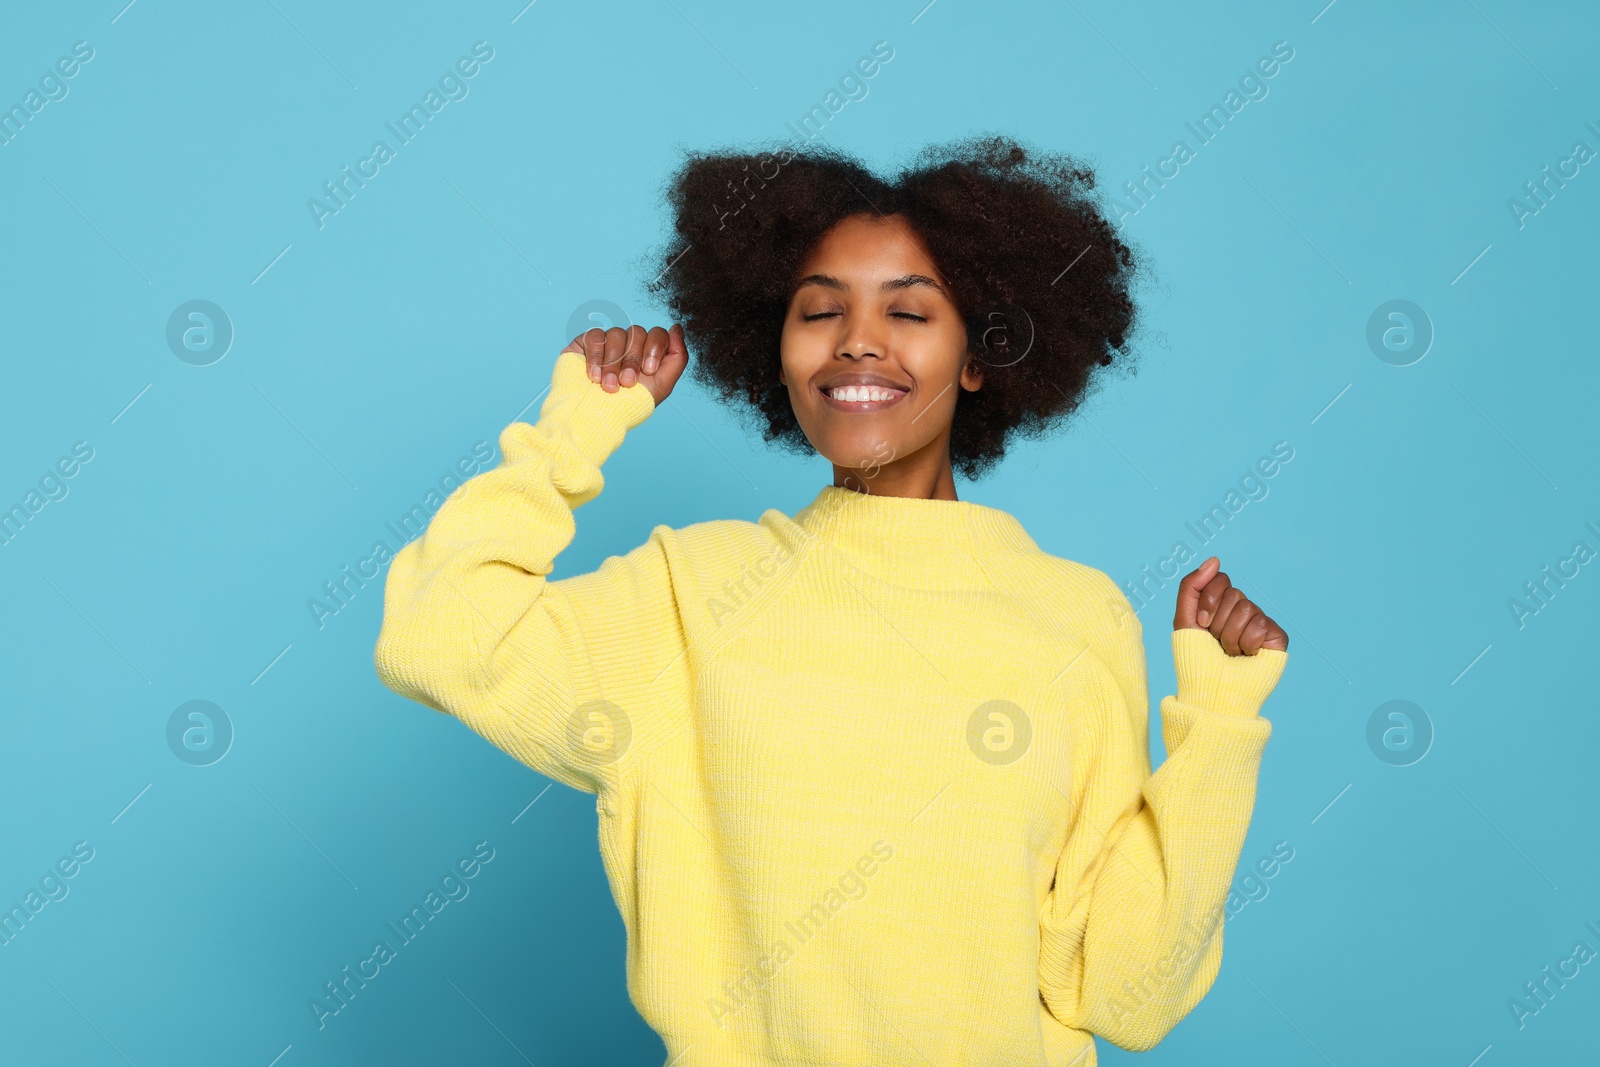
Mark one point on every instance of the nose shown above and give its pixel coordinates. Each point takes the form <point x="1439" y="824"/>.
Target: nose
<point x="859" y="340"/>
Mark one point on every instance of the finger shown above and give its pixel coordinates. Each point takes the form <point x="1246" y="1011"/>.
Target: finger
<point x="593" y="342"/>
<point x="1276" y="638"/>
<point x="671" y="365"/>
<point x="1254" y="633"/>
<point x="655" y="344"/>
<point x="1239" y="619"/>
<point x="676" y="357"/>
<point x="632" y="355"/>
<point x="1219" y="618"/>
<point x="616" y="345"/>
<point x="1189" y="594"/>
<point x="1210" y="598"/>
<point x="577" y="345"/>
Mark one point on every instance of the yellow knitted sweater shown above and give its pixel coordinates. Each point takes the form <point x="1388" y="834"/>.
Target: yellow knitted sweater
<point x="873" y="781"/>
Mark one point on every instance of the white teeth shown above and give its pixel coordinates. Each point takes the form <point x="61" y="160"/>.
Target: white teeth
<point x="858" y="393"/>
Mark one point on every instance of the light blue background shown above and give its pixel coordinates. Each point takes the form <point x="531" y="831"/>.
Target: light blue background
<point x="426" y="315"/>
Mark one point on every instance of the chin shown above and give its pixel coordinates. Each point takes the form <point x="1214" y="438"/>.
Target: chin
<point x="863" y="451"/>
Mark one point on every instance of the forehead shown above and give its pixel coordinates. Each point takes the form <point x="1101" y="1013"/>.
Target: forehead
<point x="870" y="247"/>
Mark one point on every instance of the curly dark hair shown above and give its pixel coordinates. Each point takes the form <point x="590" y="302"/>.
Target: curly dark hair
<point x="1040" y="274"/>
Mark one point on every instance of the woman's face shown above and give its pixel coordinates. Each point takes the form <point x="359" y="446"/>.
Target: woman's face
<point x="870" y="309"/>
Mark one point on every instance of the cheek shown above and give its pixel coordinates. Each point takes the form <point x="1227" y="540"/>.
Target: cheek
<point x="799" y="359"/>
<point x="791" y="355"/>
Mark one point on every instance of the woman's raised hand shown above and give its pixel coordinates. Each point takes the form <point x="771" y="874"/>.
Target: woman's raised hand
<point x="1208" y="601"/>
<point x="620" y="358"/>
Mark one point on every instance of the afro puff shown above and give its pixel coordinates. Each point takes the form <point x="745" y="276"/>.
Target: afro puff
<point x="1039" y="273"/>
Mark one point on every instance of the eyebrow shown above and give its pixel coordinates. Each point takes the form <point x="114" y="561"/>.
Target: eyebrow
<point x="907" y="281"/>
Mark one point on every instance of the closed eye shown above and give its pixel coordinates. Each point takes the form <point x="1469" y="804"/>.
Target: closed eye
<point x="893" y="314"/>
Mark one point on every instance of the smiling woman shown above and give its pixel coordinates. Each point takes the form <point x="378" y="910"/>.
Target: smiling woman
<point x="970" y="233"/>
<point x="750" y="701"/>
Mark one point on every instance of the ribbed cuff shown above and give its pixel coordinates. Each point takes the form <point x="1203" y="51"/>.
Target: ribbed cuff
<point x="595" y="420"/>
<point x="1209" y="678"/>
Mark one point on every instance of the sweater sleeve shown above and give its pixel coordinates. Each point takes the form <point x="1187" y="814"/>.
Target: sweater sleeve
<point x="563" y="675"/>
<point x="1131" y="932"/>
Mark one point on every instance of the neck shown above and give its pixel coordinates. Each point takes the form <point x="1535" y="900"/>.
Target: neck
<point x="911" y="476"/>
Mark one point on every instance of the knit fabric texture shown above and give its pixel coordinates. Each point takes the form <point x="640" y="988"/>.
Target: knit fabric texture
<point x="873" y="781"/>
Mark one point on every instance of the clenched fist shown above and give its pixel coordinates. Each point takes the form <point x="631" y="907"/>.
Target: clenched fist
<point x="1208" y="601"/>
<point x="619" y="357"/>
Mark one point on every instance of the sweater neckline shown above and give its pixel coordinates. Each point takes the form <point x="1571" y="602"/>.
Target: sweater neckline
<point x="886" y="534"/>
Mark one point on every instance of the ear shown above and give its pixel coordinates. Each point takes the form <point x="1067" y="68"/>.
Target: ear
<point x="972" y="374"/>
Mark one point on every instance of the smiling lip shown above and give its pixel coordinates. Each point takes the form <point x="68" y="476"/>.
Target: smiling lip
<point x="865" y="405"/>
